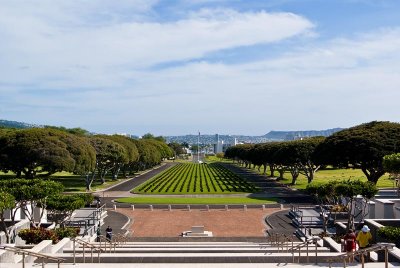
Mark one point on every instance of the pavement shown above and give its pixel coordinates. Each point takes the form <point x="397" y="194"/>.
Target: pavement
<point x="277" y="221"/>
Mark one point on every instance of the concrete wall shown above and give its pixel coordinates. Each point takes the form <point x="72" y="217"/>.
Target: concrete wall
<point x="23" y="224"/>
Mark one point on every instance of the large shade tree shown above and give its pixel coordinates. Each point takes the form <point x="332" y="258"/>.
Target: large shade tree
<point x="109" y="154"/>
<point x="362" y="147"/>
<point x="30" y="151"/>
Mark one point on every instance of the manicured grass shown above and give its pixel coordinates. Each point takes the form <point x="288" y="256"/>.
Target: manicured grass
<point x="196" y="201"/>
<point x="190" y="178"/>
<point x="323" y="176"/>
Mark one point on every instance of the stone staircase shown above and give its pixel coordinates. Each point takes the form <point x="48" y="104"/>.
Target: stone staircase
<point x="201" y="252"/>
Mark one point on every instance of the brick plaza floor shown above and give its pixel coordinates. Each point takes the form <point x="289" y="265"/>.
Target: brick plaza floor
<point x="231" y="223"/>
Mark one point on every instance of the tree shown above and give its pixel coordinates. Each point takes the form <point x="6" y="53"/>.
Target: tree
<point x="29" y="151"/>
<point x="109" y="154"/>
<point x="61" y="207"/>
<point x="30" y="193"/>
<point x="304" y="156"/>
<point x="362" y="146"/>
<point x="177" y="148"/>
<point x="131" y="156"/>
<point x="344" y="193"/>
<point x="149" y="136"/>
<point x="391" y="164"/>
<point x="7" y="202"/>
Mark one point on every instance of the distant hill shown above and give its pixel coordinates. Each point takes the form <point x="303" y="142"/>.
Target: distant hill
<point x="290" y="135"/>
<point x="15" y="124"/>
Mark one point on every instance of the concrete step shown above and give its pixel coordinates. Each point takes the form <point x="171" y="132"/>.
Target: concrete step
<point x="200" y="257"/>
<point x="205" y="250"/>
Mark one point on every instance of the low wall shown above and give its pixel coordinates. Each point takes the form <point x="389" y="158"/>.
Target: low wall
<point x="23" y="224"/>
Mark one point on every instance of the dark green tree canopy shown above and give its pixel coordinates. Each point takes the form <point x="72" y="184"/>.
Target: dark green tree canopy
<point x="362" y="146"/>
<point x="30" y="150"/>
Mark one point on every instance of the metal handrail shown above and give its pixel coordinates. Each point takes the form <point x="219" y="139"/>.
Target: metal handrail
<point x="89" y="221"/>
<point x="280" y="240"/>
<point x="104" y="239"/>
<point x="84" y="244"/>
<point x="25" y="252"/>
<point x="120" y="239"/>
<point x="306" y="244"/>
<point x="362" y="252"/>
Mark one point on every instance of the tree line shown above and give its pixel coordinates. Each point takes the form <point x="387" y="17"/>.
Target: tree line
<point x="40" y="152"/>
<point x="363" y="147"/>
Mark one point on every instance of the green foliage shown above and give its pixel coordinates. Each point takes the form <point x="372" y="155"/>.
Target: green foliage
<point x="37" y="235"/>
<point x="196" y="179"/>
<point x="362" y="146"/>
<point x="390" y="233"/>
<point x="391" y="163"/>
<point x="149" y="136"/>
<point x="177" y="148"/>
<point x="66" y="232"/>
<point x="60" y="207"/>
<point x="7" y="201"/>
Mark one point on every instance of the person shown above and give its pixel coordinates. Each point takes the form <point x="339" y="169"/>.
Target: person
<point x="350" y="243"/>
<point x="98" y="233"/>
<point x="109" y="232"/>
<point x="364" y="238"/>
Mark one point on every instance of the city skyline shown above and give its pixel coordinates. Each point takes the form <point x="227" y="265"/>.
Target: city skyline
<point x="173" y="67"/>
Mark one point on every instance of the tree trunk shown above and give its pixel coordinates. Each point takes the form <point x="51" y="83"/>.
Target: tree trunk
<point x="272" y="169"/>
<point x="281" y="172"/>
<point x="295" y="174"/>
<point x="372" y="174"/>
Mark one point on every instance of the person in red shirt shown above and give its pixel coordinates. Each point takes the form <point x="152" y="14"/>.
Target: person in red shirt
<point x="350" y="242"/>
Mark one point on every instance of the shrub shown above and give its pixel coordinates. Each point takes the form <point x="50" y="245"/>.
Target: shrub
<point x="390" y="233"/>
<point x="37" y="235"/>
<point x="66" y="232"/>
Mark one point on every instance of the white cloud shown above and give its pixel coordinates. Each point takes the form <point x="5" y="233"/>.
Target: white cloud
<point x="61" y="64"/>
<point x="67" y="49"/>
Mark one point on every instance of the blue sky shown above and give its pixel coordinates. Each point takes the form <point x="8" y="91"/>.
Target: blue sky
<point x="176" y="67"/>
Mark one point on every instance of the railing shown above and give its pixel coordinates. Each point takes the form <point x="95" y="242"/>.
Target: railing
<point x="25" y="252"/>
<point x="306" y="243"/>
<point x="84" y="245"/>
<point x="89" y="222"/>
<point x="362" y="252"/>
<point x="120" y="239"/>
<point x="281" y="241"/>
<point x="108" y="242"/>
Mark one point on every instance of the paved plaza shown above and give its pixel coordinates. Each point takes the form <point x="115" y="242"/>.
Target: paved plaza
<point x="222" y="223"/>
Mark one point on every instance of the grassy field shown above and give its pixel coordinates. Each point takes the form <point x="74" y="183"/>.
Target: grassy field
<point x="188" y="178"/>
<point x="322" y="176"/>
<point x="196" y="201"/>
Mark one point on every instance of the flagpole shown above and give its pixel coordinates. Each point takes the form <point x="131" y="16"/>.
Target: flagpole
<point x="198" y="148"/>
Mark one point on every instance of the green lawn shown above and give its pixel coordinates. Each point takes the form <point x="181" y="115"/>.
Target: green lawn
<point x="196" y="201"/>
<point x="191" y="178"/>
<point x="322" y="176"/>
